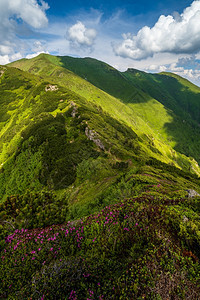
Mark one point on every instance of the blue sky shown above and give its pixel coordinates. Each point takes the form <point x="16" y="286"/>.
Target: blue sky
<point x="153" y="36"/>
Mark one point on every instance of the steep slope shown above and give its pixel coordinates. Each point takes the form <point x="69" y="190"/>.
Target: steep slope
<point x="47" y="131"/>
<point x="98" y="73"/>
<point x="93" y="204"/>
<point x="169" y="107"/>
<point x="180" y="96"/>
<point x="49" y="134"/>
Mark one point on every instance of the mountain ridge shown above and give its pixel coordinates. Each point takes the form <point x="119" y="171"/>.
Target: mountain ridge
<point x="99" y="195"/>
<point x="175" y="130"/>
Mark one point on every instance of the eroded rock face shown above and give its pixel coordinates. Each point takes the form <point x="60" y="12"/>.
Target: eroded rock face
<point x="1" y="72"/>
<point x="185" y="219"/>
<point x="192" y="193"/>
<point x="51" y="88"/>
<point x="75" y="109"/>
<point x="92" y="135"/>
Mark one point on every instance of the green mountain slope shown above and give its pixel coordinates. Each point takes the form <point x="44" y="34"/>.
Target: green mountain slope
<point x="47" y="131"/>
<point x="169" y="106"/>
<point x="95" y="202"/>
<point x="49" y="134"/>
<point x="181" y="97"/>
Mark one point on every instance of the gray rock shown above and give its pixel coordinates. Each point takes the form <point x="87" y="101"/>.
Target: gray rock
<point x="51" y="88"/>
<point x="75" y="109"/>
<point x="192" y="193"/>
<point x="1" y="72"/>
<point x="185" y="219"/>
<point x="92" y="135"/>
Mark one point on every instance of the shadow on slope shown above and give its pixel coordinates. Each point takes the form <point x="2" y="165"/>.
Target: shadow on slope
<point x="182" y="99"/>
<point x="162" y="102"/>
<point x="176" y="122"/>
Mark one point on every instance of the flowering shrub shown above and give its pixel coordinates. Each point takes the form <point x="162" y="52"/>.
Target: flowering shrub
<point x="123" y="252"/>
<point x="31" y="210"/>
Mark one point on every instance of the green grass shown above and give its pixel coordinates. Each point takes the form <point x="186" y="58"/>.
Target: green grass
<point x="141" y="110"/>
<point x="43" y="146"/>
<point x="164" y="106"/>
<point x="94" y="201"/>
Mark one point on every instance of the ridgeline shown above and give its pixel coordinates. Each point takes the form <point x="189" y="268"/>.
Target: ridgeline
<point x="99" y="182"/>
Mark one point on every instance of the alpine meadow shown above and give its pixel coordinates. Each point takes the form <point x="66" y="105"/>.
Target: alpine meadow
<point x="99" y="182"/>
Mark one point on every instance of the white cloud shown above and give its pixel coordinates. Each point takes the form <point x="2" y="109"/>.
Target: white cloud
<point x="190" y="74"/>
<point x="28" y="10"/>
<point x="4" y="59"/>
<point x="157" y="68"/>
<point x="5" y="49"/>
<point x="12" y="14"/>
<point x="37" y="48"/>
<point x="184" y="71"/>
<point x="79" y="35"/>
<point x="29" y="56"/>
<point x="16" y="56"/>
<point x="172" y="34"/>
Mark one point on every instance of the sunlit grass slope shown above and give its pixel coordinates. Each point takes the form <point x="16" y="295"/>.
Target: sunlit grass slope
<point x="48" y="130"/>
<point x="182" y="98"/>
<point x="168" y="105"/>
<point x="146" y="115"/>
<point x="49" y="134"/>
<point x="94" y="201"/>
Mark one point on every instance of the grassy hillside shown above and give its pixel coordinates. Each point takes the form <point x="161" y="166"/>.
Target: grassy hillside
<point x="47" y="131"/>
<point x="60" y="132"/>
<point x="46" y="134"/>
<point x="168" y="106"/>
<point x="180" y="96"/>
<point x="94" y="201"/>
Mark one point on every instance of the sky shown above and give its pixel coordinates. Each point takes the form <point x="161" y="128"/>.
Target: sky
<point x="149" y="35"/>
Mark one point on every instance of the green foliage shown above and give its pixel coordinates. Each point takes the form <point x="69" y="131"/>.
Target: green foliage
<point x="93" y="169"/>
<point x="85" y="154"/>
<point x="125" y="251"/>
<point x="186" y="223"/>
<point x="146" y="104"/>
<point x="31" y="210"/>
<point x="166" y="101"/>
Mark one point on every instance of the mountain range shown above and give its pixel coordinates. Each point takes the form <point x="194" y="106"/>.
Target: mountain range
<point x="81" y="142"/>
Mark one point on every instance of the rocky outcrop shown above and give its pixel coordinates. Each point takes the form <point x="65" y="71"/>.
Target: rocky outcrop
<point x="51" y="88"/>
<point x="75" y="109"/>
<point x="93" y="136"/>
<point x="1" y="72"/>
<point x="185" y="219"/>
<point x="192" y="193"/>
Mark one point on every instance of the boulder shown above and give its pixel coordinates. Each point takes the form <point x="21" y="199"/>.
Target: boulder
<point x="192" y="193"/>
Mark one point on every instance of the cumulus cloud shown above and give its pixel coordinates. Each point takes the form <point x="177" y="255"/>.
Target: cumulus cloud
<point x="13" y="13"/>
<point x="184" y="67"/>
<point x="5" y="59"/>
<point x="79" y="35"/>
<point x="156" y="68"/>
<point x="28" y="10"/>
<point x="190" y="74"/>
<point x="38" y="48"/>
<point x="29" y="56"/>
<point x="172" y="34"/>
